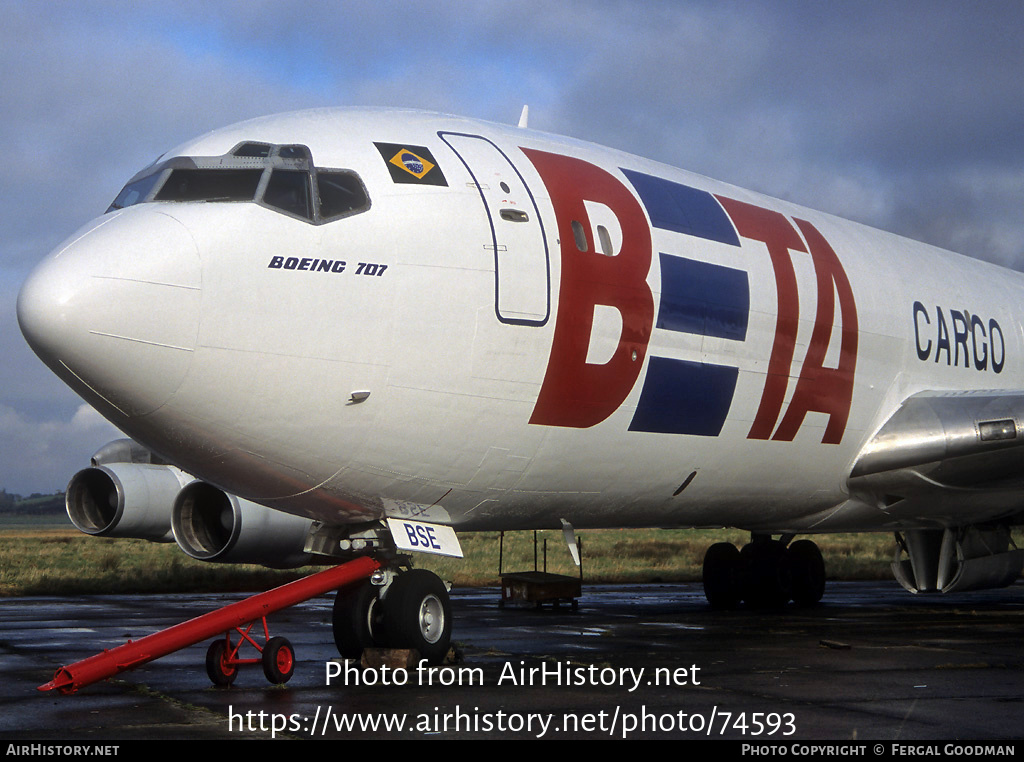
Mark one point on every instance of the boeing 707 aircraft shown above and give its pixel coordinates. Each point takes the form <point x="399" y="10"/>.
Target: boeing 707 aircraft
<point x="350" y="332"/>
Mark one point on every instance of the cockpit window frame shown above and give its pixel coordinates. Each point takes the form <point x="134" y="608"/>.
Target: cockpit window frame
<point x="248" y="155"/>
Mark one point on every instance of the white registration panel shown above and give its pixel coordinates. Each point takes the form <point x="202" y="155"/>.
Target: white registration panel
<point x="420" y="537"/>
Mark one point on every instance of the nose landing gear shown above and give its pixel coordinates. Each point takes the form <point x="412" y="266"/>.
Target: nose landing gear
<point x="409" y="610"/>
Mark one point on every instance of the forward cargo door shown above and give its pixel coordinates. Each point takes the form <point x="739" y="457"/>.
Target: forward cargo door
<point x="522" y="277"/>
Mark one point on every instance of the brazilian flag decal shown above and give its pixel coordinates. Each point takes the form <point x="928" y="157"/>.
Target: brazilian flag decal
<point x="411" y="164"/>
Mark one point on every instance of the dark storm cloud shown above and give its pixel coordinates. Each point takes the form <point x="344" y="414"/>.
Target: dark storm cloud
<point x="869" y="110"/>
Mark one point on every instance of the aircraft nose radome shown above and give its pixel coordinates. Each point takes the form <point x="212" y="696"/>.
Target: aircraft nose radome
<point x="39" y="313"/>
<point x="115" y="312"/>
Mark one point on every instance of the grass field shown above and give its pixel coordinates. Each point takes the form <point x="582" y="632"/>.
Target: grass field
<point x="60" y="560"/>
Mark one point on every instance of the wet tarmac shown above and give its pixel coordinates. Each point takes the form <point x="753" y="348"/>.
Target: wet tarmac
<point x="870" y="663"/>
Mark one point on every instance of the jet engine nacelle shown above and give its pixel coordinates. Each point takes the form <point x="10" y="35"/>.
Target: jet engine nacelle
<point x="211" y="525"/>
<point x="955" y="560"/>
<point x="125" y="500"/>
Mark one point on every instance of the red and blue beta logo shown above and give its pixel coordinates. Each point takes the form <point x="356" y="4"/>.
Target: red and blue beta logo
<point x="678" y="396"/>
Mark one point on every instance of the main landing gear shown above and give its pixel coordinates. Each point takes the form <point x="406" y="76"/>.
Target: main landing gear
<point x="765" y="573"/>
<point x="409" y="609"/>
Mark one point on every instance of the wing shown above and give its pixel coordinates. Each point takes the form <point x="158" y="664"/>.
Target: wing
<point x="970" y="443"/>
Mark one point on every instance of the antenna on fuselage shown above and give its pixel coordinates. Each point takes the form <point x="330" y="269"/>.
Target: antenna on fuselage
<point x="524" y="117"/>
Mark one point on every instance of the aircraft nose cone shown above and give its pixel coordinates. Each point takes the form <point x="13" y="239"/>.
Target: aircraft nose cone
<point x="115" y="311"/>
<point x="39" y="312"/>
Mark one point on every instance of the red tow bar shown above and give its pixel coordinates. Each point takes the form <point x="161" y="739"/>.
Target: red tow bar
<point x="135" y="653"/>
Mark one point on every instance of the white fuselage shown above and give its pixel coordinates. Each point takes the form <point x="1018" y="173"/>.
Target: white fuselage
<point x="515" y="380"/>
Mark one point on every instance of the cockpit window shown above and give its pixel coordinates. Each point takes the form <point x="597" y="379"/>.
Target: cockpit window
<point x="136" y="191"/>
<point x="279" y="177"/>
<point x="258" y="150"/>
<point x="288" y="190"/>
<point x="210" y="185"/>
<point x="341" y="193"/>
<point x="294" y="152"/>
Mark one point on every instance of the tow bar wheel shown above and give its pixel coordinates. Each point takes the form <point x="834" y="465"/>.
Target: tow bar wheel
<point x="218" y="663"/>
<point x="278" y="660"/>
<point x="277" y="657"/>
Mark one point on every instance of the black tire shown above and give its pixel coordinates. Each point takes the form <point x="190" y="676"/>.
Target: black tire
<point x="723" y="576"/>
<point x="808" y="571"/>
<point x="418" y="615"/>
<point x="769" y="580"/>
<point x="220" y="672"/>
<point x="356" y="619"/>
<point x="278" y="660"/>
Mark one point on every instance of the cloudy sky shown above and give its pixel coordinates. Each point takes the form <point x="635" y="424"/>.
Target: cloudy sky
<point x="906" y="115"/>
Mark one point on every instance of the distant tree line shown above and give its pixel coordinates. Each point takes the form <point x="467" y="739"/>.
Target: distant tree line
<point x="34" y="504"/>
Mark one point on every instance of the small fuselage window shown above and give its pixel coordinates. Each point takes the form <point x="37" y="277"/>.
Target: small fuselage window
<point x="283" y="178"/>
